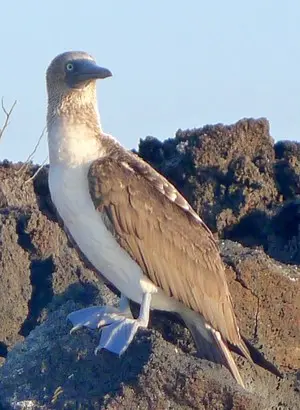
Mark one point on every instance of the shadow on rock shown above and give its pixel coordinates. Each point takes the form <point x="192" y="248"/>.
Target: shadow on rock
<point x="53" y="367"/>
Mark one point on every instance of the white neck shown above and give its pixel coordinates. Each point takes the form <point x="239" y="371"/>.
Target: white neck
<point x="72" y="143"/>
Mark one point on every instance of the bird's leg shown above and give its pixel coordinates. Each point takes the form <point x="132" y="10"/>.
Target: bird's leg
<point x="94" y="317"/>
<point x="117" y="336"/>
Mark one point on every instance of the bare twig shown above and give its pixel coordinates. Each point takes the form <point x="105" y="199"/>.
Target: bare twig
<point x="25" y="165"/>
<point x="37" y="171"/>
<point x="7" y="114"/>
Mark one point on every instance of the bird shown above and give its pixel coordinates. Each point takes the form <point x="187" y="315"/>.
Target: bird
<point x="132" y="225"/>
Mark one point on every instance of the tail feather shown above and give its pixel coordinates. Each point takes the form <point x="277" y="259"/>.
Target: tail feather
<point x="228" y="359"/>
<point x="210" y="344"/>
<point x="244" y="351"/>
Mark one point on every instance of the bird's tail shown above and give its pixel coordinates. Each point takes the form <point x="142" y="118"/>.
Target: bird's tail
<point x="210" y="344"/>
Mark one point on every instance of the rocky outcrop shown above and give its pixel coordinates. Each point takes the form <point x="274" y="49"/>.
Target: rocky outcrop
<point x="245" y="188"/>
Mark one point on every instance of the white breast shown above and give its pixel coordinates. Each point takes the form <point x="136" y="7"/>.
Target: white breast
<point x="72" y="149"/>
<point x="69" y="192"/>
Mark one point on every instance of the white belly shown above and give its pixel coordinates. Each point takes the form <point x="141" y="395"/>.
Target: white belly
<point x="69" y="192"/>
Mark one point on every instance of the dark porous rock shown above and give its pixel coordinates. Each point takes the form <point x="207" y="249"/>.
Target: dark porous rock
<point x="266" y="297"/>
<point x="237" y="180"/>
<point x="288" y="168"/>
<point x="54" y="370"/>
<point x="247" y="190"/>
<point x="225" y="171"/>
<point x="284" y="235"/>
<point x="15" y="283"/>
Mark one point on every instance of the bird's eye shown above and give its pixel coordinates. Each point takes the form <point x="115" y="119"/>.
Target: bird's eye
<point x="69" y="67"/>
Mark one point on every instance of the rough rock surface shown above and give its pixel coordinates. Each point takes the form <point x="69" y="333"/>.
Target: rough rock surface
<point x="246" y="189"/>
<point x="237" y="180"/>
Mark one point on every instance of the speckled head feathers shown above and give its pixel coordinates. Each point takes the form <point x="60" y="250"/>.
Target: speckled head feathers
<point x="74" y="69"/>
<point x="71" y="87"/>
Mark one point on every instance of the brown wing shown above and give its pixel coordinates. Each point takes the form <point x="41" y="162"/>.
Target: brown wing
<point x="160" y="231"/>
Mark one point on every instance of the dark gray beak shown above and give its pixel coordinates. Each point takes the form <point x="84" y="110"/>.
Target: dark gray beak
<point x="88" y="70"/>
<point x="85" y="70"/>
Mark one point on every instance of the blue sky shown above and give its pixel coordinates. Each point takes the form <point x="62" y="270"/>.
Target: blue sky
<point x="176" y="64"/>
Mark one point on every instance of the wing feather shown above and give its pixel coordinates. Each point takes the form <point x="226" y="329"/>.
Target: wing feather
<point x="161" y="232"/>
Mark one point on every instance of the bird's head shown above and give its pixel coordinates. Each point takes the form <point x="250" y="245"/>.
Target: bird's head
<point x="73" y="119"/>
<point x="74" y="70"/>
<point x="72" y="76"/>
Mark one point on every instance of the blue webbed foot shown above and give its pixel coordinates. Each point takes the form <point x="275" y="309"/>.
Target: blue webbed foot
<point x="94" y="317"/>
<point x="118" y="326"/>
<point x="117" y="336"/>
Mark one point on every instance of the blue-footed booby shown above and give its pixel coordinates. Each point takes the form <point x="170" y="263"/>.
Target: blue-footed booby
<point x="133" y="225"/>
